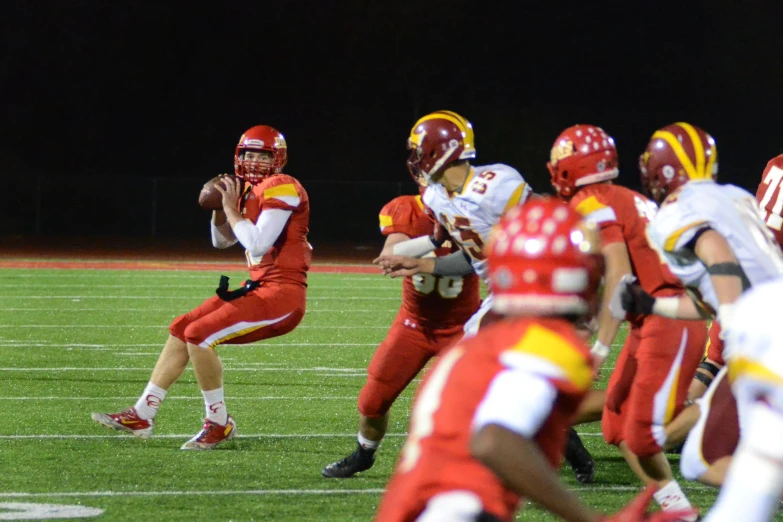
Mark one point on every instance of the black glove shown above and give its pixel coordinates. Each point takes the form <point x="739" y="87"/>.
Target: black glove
<point x="635" y="300"/>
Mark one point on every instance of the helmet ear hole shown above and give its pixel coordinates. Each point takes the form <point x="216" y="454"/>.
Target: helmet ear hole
<point x="565" y="174"/>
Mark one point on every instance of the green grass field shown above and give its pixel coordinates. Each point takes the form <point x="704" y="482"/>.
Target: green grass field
<point x="73" y="342"/>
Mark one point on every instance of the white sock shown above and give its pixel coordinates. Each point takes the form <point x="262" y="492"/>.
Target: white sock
<point x="149" y="402"/>
<point x="750" y="491"/>
<point x="367" y="443"/>
<point x="215" y="406"/>
<point x="671" y="498"/>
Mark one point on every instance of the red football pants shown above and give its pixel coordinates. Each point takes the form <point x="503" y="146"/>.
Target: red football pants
<point x="268" y="311"/>
<point x="398" y="359"/>
<point x="714" y="350"/>
<point x="649" y="384"/>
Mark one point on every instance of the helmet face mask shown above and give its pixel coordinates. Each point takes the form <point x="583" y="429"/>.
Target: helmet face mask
<point x="677" y="154"/>
<point x="254" y="168"/>
<point x="581" y="155"/>
<point x="436" y="141"/>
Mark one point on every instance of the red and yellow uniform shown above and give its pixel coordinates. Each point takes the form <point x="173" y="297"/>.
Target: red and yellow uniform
<point x="431" y="316"/>
<point x="650" y="381"/>
<point x="528" y="375"/>
<point x="276" y="306"/>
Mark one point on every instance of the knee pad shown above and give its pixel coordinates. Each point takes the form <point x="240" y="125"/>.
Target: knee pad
<point x="177" y="328"/>
<point x="376" y="398"/>
<point x="640" y="439"/>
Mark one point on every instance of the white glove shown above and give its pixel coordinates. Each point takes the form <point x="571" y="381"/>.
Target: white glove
<point x="615" y="303"/>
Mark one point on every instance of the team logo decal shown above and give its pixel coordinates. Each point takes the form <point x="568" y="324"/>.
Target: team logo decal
<point x="563" y="149"/>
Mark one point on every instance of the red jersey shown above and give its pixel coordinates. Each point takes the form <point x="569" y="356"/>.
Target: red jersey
<point x="770" y="196"/>
<point x="432" y="301"/>
<point x="622" y="215"/>
<point x="436" y="457"/>
<point x="288" y="260"/>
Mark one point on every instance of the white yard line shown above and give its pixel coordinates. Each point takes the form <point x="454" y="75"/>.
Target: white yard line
<point x="180" y="297"/>
<point x="53" y="344"/>
<point x="282" y="492"/>
<point x="190" y="287"/>
<point x="339" y="371"/>
<point x="125" y="326"/>
<point x="134" y="397"/>
<point x="188" y="435"/>
<point x="168" y="309"/>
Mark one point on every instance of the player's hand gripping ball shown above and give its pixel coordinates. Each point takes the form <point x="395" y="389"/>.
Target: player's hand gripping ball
<point x="210" y="198"/>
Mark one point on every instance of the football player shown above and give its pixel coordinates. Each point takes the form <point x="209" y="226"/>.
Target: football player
<point x="467" y="201"/>
<point x="712" y="236"/>
<point x="489" y="421"/>
<point x="754" y="482"/>
<point x="433" y="311"/>
<point x="268" y="212"/>
<point x="770" y="200"/>
<point x="649" y="383"/>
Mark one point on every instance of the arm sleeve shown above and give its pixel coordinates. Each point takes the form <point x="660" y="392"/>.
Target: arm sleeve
<point x="259" y="238"/>
<point x="222" y="236"/>
<point x="455" y="264"/>
<point x="415" y="247"/>
<point x="518" y="401"/>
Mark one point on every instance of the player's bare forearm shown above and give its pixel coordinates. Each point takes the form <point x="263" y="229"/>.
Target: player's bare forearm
<point x="218" y="217"/>
<point x="618" y="264"/>
<point x="392" y="239"/>
<point x="401" y="266"/>
<point x="521" y="465"/>
<point x="233" y="216"/>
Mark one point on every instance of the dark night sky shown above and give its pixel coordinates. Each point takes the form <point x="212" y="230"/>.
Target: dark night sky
<point x="137" y="88"/>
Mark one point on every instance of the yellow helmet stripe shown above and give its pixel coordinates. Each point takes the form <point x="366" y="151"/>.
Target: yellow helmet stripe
<point x="698" y="147"/>
<point x="676" y="146"/>
<point x="712" y="160"/>
<point x="453" y="117"/>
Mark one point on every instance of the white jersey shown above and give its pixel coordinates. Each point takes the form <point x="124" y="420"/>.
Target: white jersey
<point x="469" y="215"/>
<point x="754" y="341"/>
<point x="729" y="210"/>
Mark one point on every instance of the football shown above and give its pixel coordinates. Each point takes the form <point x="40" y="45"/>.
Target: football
<point x="210" y="198"/>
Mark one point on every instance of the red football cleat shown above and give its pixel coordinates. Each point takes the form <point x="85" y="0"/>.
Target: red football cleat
<point x="211" y="435"/>
<point x="128" y="421"/>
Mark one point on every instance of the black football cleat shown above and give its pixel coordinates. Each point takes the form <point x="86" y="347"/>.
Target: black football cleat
<point x="360" y="460"/>
<point x="579" y="459"/>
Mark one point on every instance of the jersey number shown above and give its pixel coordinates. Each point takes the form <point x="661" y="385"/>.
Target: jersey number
<point x="772" y="179"/>
<point x="646" y="208"/>
<point x="751" y="216"/>
<point x="422" y="422"/>
<point x="448" y="287"/>
<point x="469" y="240"/>
<point x="481" y="188"/>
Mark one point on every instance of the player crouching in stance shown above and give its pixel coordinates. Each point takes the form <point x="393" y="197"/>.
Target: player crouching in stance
<point x="489" y="423"/>
<point x="268" y="212"/>
<point x="431" y="317"/>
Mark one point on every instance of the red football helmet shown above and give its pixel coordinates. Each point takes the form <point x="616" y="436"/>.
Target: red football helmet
<point x="543" y="259"/>
<point x="675" y="155"/>
<point x="260" y="138"/>
<point x="437" y="140"/>
<point x="581" y="155"/>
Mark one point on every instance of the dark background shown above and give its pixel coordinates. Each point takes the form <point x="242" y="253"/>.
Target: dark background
<point x="115" y="113"/>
